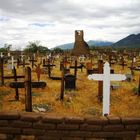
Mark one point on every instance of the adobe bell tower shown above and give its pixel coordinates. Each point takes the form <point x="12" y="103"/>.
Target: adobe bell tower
<point x="80" y="46"/>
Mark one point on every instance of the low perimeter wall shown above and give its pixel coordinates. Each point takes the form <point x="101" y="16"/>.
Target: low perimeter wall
<point x="32" y="126"/>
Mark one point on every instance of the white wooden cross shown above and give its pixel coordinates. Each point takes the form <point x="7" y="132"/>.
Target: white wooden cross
<point x="12" y="61"/>
<point x="1" y="55"/>
<point x="106" y="77"/>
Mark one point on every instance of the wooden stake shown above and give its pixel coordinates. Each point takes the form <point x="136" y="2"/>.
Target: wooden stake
<point x="15" y="78"/>
<point x="28" y="93"/>
<point x="100" y="83"/>
<point x="1" y="71"/>
<point x="49" y="68"/>
<point x="75" y="70"/>
<point x="62" y="86"/>
<point x="139" y="87"/>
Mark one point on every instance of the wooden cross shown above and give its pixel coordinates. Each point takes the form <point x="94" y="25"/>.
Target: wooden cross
<point x="28" y="85"/>
<point x="106" y="77"/>
<point x="33" y="61"/>
<point x="12" y="62"/>
<point x="2" y="76"/>
<point x="38" y="72"/>
<point x="48" y="66"/>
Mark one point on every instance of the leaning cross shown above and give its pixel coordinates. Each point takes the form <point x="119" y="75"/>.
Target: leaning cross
<point x="106" y="77"/>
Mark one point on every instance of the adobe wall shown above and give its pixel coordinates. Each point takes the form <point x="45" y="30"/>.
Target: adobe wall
<point x="34" y="126"/>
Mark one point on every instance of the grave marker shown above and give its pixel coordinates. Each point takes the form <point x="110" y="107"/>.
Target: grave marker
<point x="38" y="72"/>
<point x="2" y="77"/>
<point x="62" y="85"/>
<point x="33" y="61"/>
<point x="28" y="85"/>
<point x="106" y="77"/>
<point x="100" y="83"/>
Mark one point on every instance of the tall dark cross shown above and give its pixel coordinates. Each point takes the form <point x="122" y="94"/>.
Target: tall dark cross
<point x="100" y="83"/>
<point x="75" y="69"/>
<point x="28" y="85"/>
<point x="16" y="89"/>
<point x="1" y="71"/>
<point x="28" y="92"/>
<point x="139" y="87"/>
<point x="33" y="61"/>
<point x="62" y="84"/>
<point x="48" y="66"/>
<point x="21" y="63"/>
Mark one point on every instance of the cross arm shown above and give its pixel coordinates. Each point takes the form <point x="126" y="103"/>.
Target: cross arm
<point x="117" y="77"/>
<point x="22" y="84"/>
<point x="97" y="77"/>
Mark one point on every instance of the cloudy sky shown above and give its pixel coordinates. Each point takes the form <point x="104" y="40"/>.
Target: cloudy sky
<point x="53" y="22"/>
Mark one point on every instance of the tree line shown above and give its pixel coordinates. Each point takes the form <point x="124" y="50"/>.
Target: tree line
<point x="32" y="47"/>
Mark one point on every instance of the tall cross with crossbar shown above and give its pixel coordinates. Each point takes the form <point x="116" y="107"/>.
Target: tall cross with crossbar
<point x="106" y="77"/>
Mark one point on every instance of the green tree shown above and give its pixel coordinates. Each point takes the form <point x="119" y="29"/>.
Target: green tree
<point x="57" y="50"/>
<point x="35" y="47"/>
<point x="6" y="48"/>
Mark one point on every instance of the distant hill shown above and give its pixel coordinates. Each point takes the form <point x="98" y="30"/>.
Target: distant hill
<point x="90" y="43"/>
<point x="65" y="46"/>
<point x="99" y="43"/>
<point x="132" y="40"/>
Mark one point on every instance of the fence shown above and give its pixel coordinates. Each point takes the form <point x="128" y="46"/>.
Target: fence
<point x="36" y="126"/>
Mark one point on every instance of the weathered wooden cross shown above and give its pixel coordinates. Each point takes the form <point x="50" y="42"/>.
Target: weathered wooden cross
<point x="33" y="61"/>
<point x="48" y="66"/>
<point x="28" y="85"/>
<point x="2" y="76"/>
<point x="12" y="61"/>
<point x="106" y="77"/>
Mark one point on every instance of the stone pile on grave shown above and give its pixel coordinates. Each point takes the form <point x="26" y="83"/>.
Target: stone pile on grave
<point x="129" y="77"/>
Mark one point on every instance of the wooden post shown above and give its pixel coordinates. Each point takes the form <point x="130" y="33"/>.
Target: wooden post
<point x="23" y="63"/>
<point x="1" y="71"/>
<point x="62" y="85"/>
<point x="18" y="62"/>
<point x="110" y="59"/>
<point x="44" y="61"/>
<point x="15" y="78"/>
<point x="75" y="69"/>
<point x="100" y="83"/>
<point x="49" y="68"/>
<point x="28" y="93"/>
<point x="139" y="87"/>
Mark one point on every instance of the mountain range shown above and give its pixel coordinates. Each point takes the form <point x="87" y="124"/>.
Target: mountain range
<point x="97" y="43"/>
<point x="132" y="40"/>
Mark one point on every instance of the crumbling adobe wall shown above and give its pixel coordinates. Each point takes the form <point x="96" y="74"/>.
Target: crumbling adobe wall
<point x="34" y="126"/>
<point x="80" y="46"/>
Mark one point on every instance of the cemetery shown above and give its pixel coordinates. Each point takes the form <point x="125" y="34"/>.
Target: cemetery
<point x="82" y="83"/>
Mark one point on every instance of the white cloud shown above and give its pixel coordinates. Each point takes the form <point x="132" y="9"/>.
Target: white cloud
<point x="53" y="22"/>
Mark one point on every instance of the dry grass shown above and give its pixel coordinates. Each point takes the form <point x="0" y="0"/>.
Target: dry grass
<point x="80" y="102"/>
